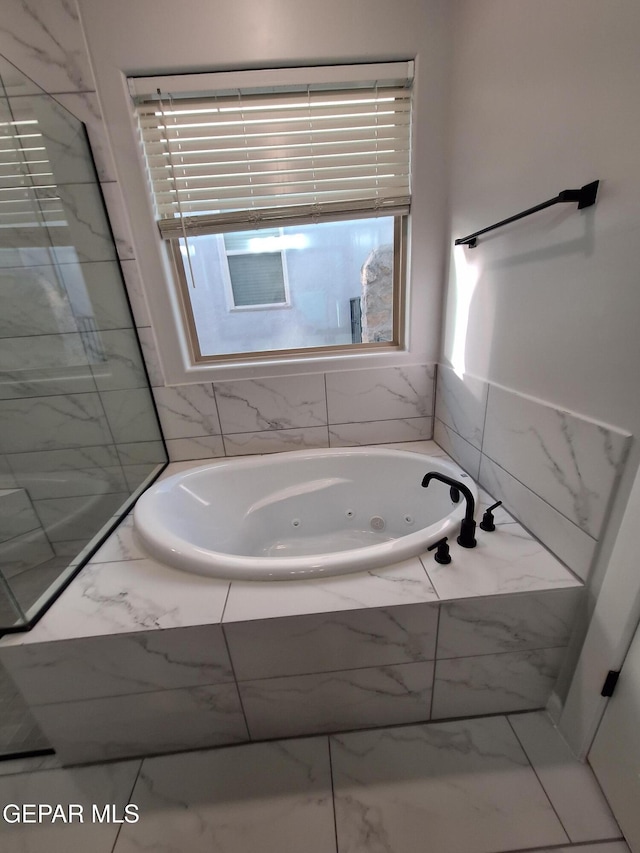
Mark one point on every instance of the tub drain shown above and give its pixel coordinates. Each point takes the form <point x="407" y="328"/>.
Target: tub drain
<point x="376" y="522"/>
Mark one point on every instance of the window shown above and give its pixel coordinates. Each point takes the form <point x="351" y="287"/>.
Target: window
<point x="283" y="207"/>
<point x="257" y="271"/>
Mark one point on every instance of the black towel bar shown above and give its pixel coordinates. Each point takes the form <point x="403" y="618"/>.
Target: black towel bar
<point x="585" y="196"/>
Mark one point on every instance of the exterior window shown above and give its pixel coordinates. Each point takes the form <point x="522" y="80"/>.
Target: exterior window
<point x="284" y="210"/>
<point x="257" y="276"/>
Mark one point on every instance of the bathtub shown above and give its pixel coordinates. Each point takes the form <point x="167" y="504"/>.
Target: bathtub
<point x="296" y="515"/>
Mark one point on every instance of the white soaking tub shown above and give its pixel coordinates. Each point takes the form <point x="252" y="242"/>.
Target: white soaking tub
<point x="293" y="515"/>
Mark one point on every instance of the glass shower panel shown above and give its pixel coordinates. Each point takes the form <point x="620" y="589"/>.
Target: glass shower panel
<point x="79" y="436"/>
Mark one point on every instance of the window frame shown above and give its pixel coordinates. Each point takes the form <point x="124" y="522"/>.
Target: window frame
<point x="398" y="342"/>
<point x="171" y="317"/>
<point x="228" y="284"/>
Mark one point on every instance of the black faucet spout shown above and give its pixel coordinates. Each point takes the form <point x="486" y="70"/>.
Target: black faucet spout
<point x="467" y="536"/>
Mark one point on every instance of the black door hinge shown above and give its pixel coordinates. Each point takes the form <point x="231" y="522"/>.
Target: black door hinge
<point x="610" y="683"/>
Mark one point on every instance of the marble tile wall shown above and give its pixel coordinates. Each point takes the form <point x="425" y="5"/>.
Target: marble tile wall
<point x="556" y="471"/>
<point x="152" y="691"/>
<point x="348" y="408"/>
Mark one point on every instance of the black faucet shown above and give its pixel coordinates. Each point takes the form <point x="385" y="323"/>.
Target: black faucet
<point x="468" y="526"/>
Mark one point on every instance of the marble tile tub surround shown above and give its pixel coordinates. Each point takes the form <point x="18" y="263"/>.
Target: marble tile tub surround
<point x="133" y="644"/>
<point x="556" y="471"/>
<point x="352" y="407"/>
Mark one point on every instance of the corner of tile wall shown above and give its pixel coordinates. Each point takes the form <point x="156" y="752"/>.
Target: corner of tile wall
<point x="556" y="471"/>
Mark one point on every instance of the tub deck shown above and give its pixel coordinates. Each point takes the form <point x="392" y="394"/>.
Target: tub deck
<point x="136" y="658"/>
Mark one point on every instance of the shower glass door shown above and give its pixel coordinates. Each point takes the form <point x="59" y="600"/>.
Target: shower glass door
<point x="79" y="436"/>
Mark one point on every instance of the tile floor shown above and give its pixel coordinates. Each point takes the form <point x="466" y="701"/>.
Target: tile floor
<point x="18" y="729"/>
<point x="483" y="785"/>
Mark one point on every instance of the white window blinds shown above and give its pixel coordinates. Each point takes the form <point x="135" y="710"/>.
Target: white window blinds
<point x="241" y="159"/>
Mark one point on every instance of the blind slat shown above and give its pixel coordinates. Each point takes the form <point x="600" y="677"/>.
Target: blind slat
<point x="225" y="156"/>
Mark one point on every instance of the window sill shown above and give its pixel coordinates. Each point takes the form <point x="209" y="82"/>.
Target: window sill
<point x="185" y="374"/>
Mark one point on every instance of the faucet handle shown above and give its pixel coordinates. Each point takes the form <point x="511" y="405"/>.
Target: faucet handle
<point x="442" y="554"/>
<point x="487" y="522"/>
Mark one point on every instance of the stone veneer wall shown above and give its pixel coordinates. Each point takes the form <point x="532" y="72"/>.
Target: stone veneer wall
<point x="556" y="471"/>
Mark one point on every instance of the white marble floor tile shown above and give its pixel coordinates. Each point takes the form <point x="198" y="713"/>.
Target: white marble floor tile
<point x="261" y="798"/>
<point x="85" y="786"/>
<point x="458" y="787"/>
<point x="337" y="701"/>
<point x="570" y="784"/>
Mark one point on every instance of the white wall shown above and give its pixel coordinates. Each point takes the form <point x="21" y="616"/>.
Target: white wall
<point x="543" y="99"/>
<point x="148" y="37"/>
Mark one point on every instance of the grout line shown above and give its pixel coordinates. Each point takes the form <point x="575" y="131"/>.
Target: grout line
<point x="544" y="500"/>
<point x="526" y="754"/>
<point x="484" y="420"/>
<point x="133" y="787"/>
<point x="331" y="671"/>
<point x="435" y="663"/>
<point x="333" y="794"/>
<point x="235" y="682"/>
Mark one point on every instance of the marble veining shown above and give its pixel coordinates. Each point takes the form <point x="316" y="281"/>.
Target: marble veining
<point x="461" y="404"/>
<point x="74" y="670"/>
<point x="505" y="561"/>
<point x="143" y="723"/>
<point x="328" y="642"/>
<point x="570" y="784"/>
<point x="570" y="462"/>
<point x="380" y="432"/>
<point x="490" y="625"/>
<point x="267" y="797"/>
<point x="563" y="537"/>
<point x="120" y="597"/>
<point x="47" y="43"/>
<point x="81" y="785"/>
<point x="275" y="441"/>
<point x="394" y="786"/>
<point x="52" y="423"/>
<point x="271" y="404"/>
<point x="465" y="454"/>
<point x="186" y="412"/>
<point x="337" y="701"/>
<point x="489" y="684"/>
<point x="404" y="583"/>
<point x="356" y="396"/>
